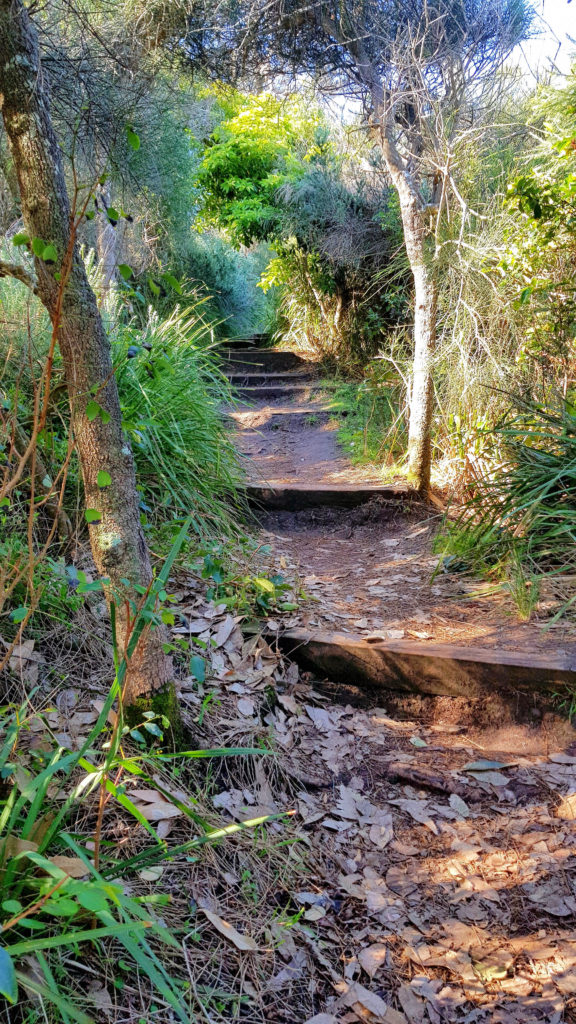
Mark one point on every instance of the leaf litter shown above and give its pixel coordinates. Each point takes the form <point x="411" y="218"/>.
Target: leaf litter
<point x="410" y="883"/>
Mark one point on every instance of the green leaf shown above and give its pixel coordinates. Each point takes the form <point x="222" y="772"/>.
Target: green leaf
<point x="198" y="667"/>
<point x="12" y="906"/>
<point x="168" y="618"/>
<point x="137" y="735"/>
<point x="50" y="254"/>
<point x="485" y="765"/>
<point x="19" y="614"/>
<point x="154" y="288"/>
<point x="103" y="479"/>
<point x="60" y="908"/>
<point x="173" y="282"/>
<point x="93" y="409"/>
<point x="5" y="502"/>
<point x="38" y="246"/>
<point x="125" y="271"/>
<point x="133" y="139"/>
<point x="91" y="588"/>
<point x="92" y="515"/>
<point x="93" y="900"/>
<point x="21" y="238"/>
<point x="8" y="983"/>
<point x="112" y="213"/>
<point x="263" y="584"/>
<point x="152" y="728"/>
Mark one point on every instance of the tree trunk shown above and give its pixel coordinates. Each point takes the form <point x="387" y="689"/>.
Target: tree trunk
<point x="118" y="543"/>
<point x="107" y="244"/>
<point x="425" y="307"/>
<point x="422" y="395"/>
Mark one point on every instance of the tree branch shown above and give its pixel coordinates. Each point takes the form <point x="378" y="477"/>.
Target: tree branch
<point x="20" y="273"/>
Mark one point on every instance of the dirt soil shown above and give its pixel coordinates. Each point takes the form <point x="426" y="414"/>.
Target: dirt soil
<point x="295" y="443"/>
<point x="370" y="571"/>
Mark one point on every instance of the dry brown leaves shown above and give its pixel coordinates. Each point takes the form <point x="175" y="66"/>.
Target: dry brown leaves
<point x="453" y="895"/>
<point x="430" y="885"/>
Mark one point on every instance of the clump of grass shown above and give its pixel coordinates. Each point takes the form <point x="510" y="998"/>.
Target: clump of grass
<point x="520" y="524"/>
<point x="370" y="422"/>
<point x="61" y="890"/>
<point x="172" y="392"/>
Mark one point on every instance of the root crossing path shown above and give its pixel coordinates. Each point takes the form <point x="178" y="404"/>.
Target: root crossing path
<point x="378" y="614"/>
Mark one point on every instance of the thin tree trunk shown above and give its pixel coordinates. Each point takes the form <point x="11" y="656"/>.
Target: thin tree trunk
<point x="425" y="308"/>
<point x="422" y="395"/>
<point x="107" y="245"/>
<point x="118" y="543"/>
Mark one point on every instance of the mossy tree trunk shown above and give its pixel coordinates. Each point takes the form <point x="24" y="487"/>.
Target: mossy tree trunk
<point x="117" y="540"/>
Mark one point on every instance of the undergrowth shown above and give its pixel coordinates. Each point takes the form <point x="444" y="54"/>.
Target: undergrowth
<point x="371" y="426"/>
<point x="519" y="526"/>
<point x="67" y="888"/>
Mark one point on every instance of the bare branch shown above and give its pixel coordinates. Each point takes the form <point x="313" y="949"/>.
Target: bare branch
<point x="19" y="272"/>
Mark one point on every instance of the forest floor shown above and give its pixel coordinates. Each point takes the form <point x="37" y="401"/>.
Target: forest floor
<point x="417" y="861"/>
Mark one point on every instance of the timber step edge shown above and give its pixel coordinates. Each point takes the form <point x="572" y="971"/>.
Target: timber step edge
<point x="295" y="497"/>
<point x="426" y="668"/>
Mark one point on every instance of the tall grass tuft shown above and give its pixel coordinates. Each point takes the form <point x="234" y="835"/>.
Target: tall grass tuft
<point x="172" y="392"/>
<point x="523" y="514"/>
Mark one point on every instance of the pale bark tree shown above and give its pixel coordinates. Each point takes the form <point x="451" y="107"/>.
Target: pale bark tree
<point x="117" y="540"/>
<point x="419" y="69"/>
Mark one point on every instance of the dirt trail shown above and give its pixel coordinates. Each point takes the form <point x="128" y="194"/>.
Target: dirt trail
<point x="367" y="570"/>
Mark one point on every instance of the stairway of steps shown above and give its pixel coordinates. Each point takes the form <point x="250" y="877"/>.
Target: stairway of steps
<point x="285" y="426"/>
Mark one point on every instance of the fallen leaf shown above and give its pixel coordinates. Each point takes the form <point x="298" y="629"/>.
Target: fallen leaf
<point x="459" y="805"/>
<point x="565" y="982"/>
<point x="413" y="1006"/>
<point x="151" y="874"/>
<point x="322" y="1018"/>
<point x="72" y="866"/>
<point x="493" y="778"/>
<point x="152" y="805"/>
<point x="567" y="808"/>
<point x="486" y="766"/>
<point x="372" y="958"/>
<point x="242" y="942"/>
<point x="224" y="630"/>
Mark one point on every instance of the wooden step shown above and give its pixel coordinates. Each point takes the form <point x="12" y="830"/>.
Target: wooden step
<point x="294" y="497"/>
<point x="264" y="359"/>
<point x="246" y="340"/>
<point x="262" y="380"/>
<point x="435" y="669"/>
<point x="263" y="395"/>
<point x="285" y="417"/>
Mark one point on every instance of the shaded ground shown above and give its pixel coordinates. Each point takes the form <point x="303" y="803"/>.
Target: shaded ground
<point x="368" y="572"/>
<point x="295" y="443"/>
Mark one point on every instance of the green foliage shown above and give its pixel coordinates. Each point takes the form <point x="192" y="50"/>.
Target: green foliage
<point x="241" y="590"/>
<point x="272" y="173"/>
<point x="171" y="394"/>
<point x="248" y="157"/>
<point x="521" y="520"/>
<point x="370" y="422"/>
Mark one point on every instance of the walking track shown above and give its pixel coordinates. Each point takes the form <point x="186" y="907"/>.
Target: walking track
<point x="380" y="614"/>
